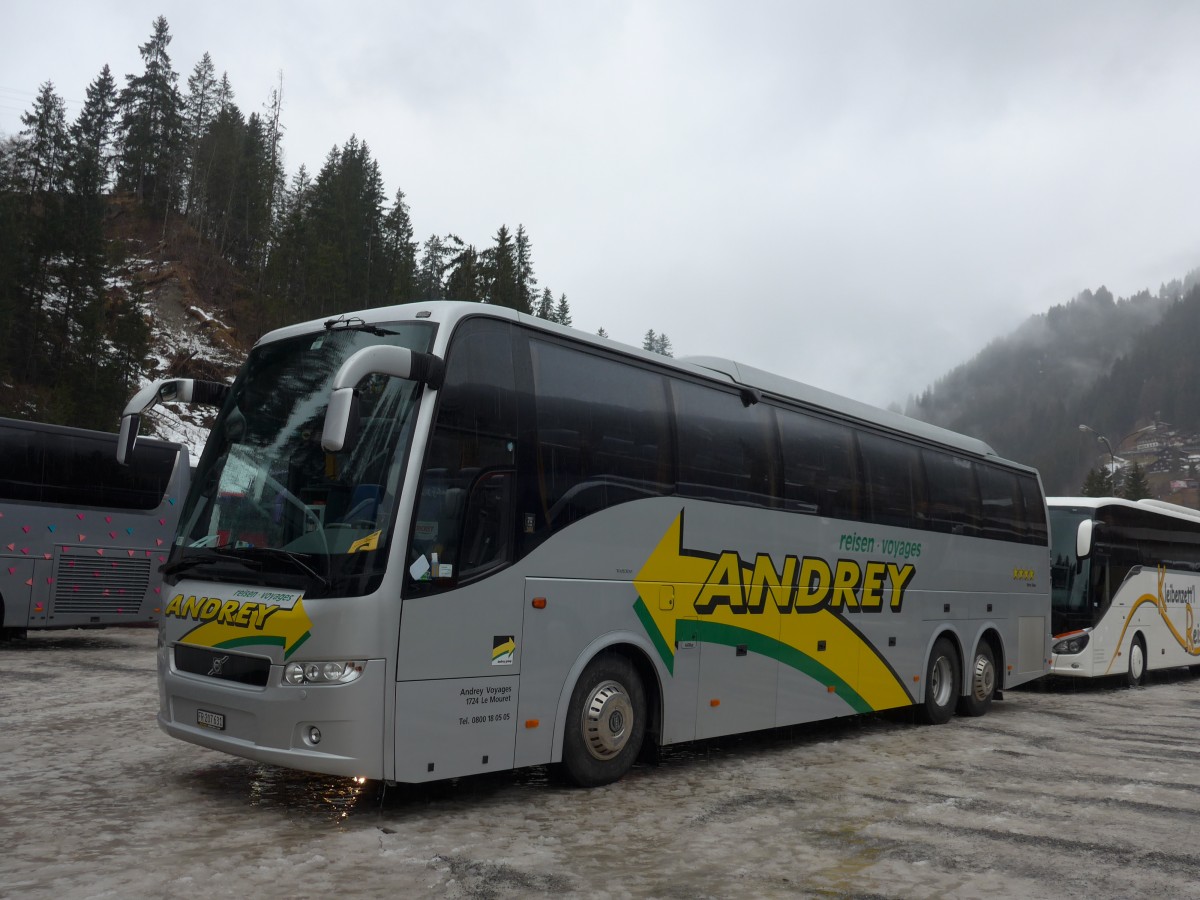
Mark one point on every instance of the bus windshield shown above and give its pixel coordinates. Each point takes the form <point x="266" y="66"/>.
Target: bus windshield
<point x="1071" y="605"/>
<point x="268" y="504"/>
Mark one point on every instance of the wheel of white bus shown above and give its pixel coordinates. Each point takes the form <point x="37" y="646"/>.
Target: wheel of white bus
<point x="981" y="683"/>
<point x="605" y="722"/>
<point x="941" y="684"/>
<point x="1137" y="662"/>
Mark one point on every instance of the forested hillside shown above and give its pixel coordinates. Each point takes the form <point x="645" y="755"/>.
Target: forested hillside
<point x="1113" y="365"/>
<point x="155" y="182"/>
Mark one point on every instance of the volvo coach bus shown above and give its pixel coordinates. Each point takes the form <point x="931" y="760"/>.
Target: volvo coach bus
<point x="441" y="539"/>
<point x="1125" y="576"/>
<point x="81" y="537"/>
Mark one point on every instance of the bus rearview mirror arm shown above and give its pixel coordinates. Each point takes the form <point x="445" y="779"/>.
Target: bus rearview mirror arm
<point x="341" y="417"/>
<point x="176" y="390"/>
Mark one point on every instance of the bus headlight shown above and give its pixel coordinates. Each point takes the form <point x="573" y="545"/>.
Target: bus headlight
<point x="1073" y="644"/>
<point x="323" y="672"/>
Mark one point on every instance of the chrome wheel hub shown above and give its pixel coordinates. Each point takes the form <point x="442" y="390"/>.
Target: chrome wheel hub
<point x="983" y="680"/>
<point x="607" y="720"/>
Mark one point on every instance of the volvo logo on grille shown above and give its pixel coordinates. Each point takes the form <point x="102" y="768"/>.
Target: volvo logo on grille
<point x="217" y="663"/>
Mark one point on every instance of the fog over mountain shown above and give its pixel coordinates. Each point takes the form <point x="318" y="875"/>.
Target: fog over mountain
<point x="1112" y="364"/>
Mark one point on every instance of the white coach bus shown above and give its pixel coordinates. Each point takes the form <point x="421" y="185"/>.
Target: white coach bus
<point x="441" y="539"/>
<point x="82" y="538"/>
<point x="1125" y="580"/>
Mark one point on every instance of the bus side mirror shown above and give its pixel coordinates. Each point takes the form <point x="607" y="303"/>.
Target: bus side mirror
<point x="341" y="416"/>
<point x="182" y="390"/>
<point x="130" y="423"/>
<point x="341" y="421"/>
<point x="1084" y="538"/>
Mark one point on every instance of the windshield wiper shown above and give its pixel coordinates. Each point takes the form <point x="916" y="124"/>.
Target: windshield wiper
<point x="190" y="562"/>
<point x="354" y="323"/>
<point x="295" y="559"/>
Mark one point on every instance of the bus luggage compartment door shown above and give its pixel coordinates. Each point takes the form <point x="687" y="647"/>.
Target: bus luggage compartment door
<point x="16" y="595"/>
<point x="455" y="726"/>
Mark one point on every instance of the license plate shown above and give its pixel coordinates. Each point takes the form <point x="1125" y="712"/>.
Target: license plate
<point x="215" y="721"/>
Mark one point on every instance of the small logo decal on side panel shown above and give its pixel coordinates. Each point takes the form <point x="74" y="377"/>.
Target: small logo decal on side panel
<point x="504" y="647"/>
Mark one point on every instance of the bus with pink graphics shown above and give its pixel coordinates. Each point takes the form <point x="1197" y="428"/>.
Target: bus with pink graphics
<point x="82" y="537"/>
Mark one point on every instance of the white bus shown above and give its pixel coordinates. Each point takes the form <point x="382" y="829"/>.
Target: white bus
<point x="82" y="538"/>
<point x="1125" y="578"/>
<point x="441" y="539"/>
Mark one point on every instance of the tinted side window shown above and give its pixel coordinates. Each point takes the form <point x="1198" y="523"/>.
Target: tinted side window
<point x="953" y="493"/>
<point x="894" y="481"/>
<point x="819" y="466"/>
<point x="81" y="470"/>
<point x="464" y="523"/>
<point x="1001" y="504"/>
<point x="603" y="433"/>
<point x="727" y="450"/>
<point x="1036" y="531"/>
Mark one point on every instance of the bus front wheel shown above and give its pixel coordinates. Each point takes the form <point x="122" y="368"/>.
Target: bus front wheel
<point x="981" y="684"/>
<point x="941" y="684"/>
<point x="606" y="722"/>
<point x="1137" y="662"/>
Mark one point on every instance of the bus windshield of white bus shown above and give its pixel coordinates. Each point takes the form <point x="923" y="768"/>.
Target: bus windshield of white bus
<point x="268" y="505"/>
<point x="1074" y="603"/>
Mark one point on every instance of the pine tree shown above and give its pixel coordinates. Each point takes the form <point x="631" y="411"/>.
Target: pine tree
<point x="1136" y="485"/>
<point x="526" y="282"/>
<point x="347" y="231"/>
<point x="92" y="136"/>
<point x="562" y="311"/>
<point x="152" y="126"/>
<point x="83" y="261"/>
<point x="431" y="274"/>
<point x="286" y="278"/>
<point x="501" y="286"/>
<point x="200" y="109"/>
<point x="42" y="165"/>
<point x="544" y="309"/>
<point x="274" y="173"/>
<point x="1097" y="484"/>
<point x="400" y="253"/>
<point x="463" y="282"/>
<point x="43" y="152"/>
<point x="657" y="343"/>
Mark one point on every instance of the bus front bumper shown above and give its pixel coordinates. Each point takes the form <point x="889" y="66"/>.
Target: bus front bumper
<point x="332" y="729"/>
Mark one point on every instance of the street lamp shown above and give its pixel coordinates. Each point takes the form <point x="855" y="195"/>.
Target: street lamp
<point x="1112" y="472"/>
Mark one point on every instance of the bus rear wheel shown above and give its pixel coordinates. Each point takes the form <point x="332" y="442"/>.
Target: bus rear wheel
<point x="941" y="684"/>
<point x="981" y="684"/>
<point x="1137" y="662"/>
<point x="606" y="722"/>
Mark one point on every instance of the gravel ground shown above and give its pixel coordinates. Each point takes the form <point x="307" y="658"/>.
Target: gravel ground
<point x="1061" y="791"/>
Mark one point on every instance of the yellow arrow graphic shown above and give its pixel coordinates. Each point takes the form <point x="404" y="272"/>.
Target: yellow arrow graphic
<point x="272" y="625"/>
<point x="792" y="613"/>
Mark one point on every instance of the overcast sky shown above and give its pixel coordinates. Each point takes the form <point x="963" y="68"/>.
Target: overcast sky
<point x="855" y="195"/>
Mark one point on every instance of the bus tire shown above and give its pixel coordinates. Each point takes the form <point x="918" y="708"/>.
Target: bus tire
<point x="981" y="683"/>
<point x="941" y="684"/>
<point x="606" y="722"/>
<point x="1136" y="673"/>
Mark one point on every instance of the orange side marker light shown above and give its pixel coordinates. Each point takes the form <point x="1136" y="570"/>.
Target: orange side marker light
<point x="539" y="602"/>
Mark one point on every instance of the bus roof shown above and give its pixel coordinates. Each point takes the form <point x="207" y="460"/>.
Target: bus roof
<point x="449" y="312"/>
<point x="1170" y="510"/>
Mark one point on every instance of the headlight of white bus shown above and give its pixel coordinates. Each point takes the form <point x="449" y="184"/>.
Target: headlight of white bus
<point x="323" y="672"/>
<point x="1073" y="644"/>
